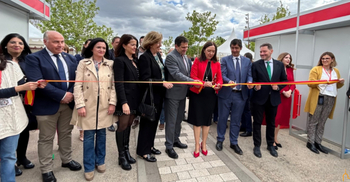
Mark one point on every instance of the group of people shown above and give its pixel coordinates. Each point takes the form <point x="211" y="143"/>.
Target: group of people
<point x="107" y="89"/>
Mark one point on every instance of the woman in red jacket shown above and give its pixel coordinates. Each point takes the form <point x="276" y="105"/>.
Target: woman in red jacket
<point x="203" y="98"/>
<point x="283" y="110"/>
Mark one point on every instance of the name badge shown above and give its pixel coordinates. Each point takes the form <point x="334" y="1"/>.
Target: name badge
<point x="5" y="102"/>
<point x="329" y="88"/>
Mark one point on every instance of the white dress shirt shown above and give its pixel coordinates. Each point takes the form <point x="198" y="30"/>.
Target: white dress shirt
<point x="328" y="89"/>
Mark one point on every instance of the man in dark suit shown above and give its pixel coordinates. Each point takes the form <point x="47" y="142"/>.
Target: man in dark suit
<point x="53" y="105"/>
<point x="266" y="98"/>
<point x="115" y="42"/>
<point x="179" y="69"/>
<point x="235" y="69"/>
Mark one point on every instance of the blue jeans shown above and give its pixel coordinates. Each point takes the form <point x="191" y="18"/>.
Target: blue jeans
<point x="94" y="155"/>
<point x="8" y="148"/>
<point x="162" y="117"/>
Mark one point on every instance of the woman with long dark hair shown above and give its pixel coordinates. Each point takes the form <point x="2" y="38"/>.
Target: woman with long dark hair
<point x="283" y="110"/>
<point x="13" y="118"/>
<point x="207" y="69"/>
<point x="15" y="49"/>
<point x="125" y="69"/>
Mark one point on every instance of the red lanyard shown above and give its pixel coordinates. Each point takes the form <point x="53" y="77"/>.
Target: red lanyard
<point x="0" y="77"/>
<point x="328" y="74"/>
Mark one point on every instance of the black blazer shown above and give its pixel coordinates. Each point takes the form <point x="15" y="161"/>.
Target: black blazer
<point x="111" y="54"/>
<point x="260" y="74"/>
<point x="149" y="69"/>
<point x="129" y="93"/>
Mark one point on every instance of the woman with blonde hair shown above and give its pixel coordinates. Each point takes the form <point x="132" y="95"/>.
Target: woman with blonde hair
<point x="321" y="101"/>
<point x="151" y="67"/>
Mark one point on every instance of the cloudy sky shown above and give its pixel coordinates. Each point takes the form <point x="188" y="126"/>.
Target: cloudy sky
<point x="138" y="17"/>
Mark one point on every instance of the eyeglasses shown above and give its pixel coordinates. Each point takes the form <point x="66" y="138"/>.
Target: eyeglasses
<point x="325" y="58"/>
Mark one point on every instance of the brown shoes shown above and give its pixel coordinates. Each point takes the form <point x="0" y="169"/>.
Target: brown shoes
<point x="101" y="168"/>
<point x="161" y="126"/>
<point x="89" y="176"/>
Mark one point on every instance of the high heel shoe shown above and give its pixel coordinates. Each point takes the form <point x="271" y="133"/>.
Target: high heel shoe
<point x="195" y="154"/>
<point x="204" y="152"/>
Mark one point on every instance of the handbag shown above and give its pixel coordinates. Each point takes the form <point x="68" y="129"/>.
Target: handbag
<point x="148" y="111"/>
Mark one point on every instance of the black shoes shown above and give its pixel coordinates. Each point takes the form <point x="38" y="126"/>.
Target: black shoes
<point x="180" y="145"/>
<point x="321" y="148"/>
<point x="272" y="150"/>
<point x="123" y="162"/>
<point x="155" y="151"/>
<point x="149" y="158"/>
<point x="72" y="165"/>
<point x="49" y="177"/>
<point x="257" y="152"/>
<point x="111" y="128"/>
<point x="278" y="145"/>
<point x="171" y="153"/>
<point x="130" y="159"/>
<point x="236" y="149"/>
<point x="218" y="145"/>
<point x="246" y="134"/>
<point x="18" y="171"/>
<point x="26" y="164"/>
<point x="312" y="147"/>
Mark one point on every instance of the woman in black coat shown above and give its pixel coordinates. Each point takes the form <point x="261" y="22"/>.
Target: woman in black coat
<point x="125" y="69"/>
<point x="151" y="68"/>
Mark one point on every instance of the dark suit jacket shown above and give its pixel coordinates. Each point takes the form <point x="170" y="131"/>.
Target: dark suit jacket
<point x="228" y="74"/>
<point x="129" y="93"/>
<point x="176" y="71"/>
<point x="260" y="74"/>
<point x="40" y="66"/>
<point x="149" y="69"/>
<point x="111" y="54"/>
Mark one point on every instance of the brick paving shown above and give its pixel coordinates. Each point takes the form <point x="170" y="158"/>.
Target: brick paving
<point x="186" y="168"/>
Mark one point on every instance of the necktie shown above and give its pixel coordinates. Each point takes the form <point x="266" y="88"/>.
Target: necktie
<point x="238" y="74"/>
<point x="268" y="69"/>
<point x="61" y="72"/>
<point x="183" y="58"/>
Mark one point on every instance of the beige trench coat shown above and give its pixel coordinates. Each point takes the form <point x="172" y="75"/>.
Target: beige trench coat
<point x="86" y="93"/>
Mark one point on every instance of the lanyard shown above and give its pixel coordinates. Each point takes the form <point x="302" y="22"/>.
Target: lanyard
<point x="328" y="74"/>
<point x="0" y="77"/>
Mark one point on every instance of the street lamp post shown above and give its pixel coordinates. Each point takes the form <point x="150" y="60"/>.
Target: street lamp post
<point x="247" y="22"/>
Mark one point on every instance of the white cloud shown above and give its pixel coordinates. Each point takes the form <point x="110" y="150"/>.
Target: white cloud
<point x="137" y="17"/>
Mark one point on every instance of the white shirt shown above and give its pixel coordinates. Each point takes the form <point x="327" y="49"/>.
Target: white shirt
<point x="65" y="66"/>
<point x="328" y="89"/>
<point x="271" y="65"/>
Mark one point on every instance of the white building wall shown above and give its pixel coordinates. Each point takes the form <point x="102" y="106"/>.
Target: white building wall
<point x="13" y="21"/>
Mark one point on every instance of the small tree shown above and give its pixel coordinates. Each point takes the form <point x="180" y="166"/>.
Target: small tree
<point x="74" y="20"/>
<point x="203" y="26"/>
<point x="218" y="40"/>
<point x="168" y="44"/>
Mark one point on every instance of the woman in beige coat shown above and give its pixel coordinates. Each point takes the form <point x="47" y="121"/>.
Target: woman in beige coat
<point x="95" y="101"/>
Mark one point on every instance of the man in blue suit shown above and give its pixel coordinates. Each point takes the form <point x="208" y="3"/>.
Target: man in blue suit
<point x="53" y="105"/>
<point x="235" y="69"/>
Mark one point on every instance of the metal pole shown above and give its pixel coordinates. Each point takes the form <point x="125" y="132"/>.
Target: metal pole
<point x="296" y="50"/>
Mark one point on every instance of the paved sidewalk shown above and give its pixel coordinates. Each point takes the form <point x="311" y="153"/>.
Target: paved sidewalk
<point x="216" y="166"/>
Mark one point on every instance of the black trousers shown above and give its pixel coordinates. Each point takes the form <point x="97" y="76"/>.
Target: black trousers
<point x="24" y="139"/>
<point x="258" y="115"/>
<point x="147" y="132"/>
